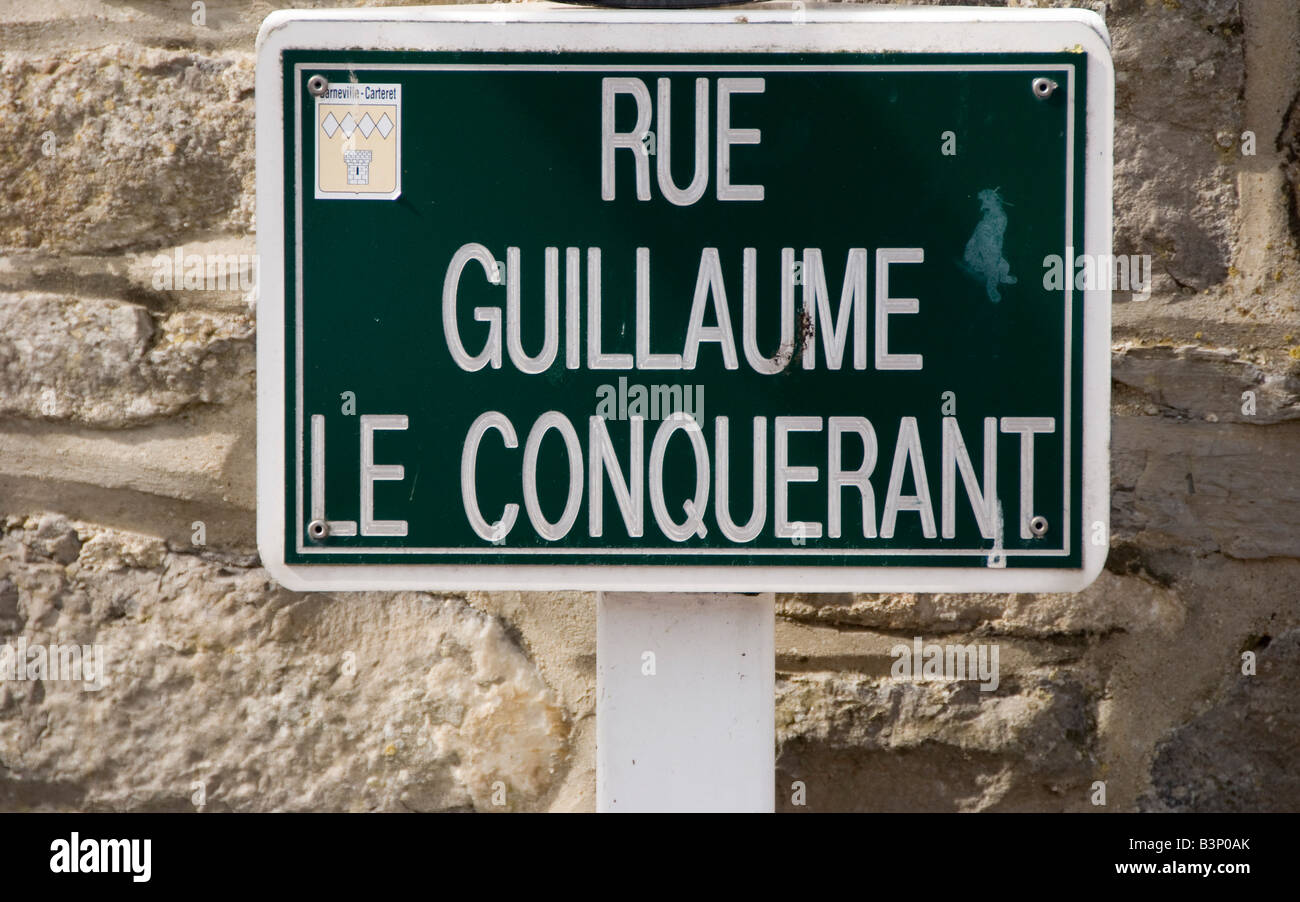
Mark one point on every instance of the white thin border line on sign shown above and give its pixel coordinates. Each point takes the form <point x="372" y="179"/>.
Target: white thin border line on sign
<point x="687" y="67"/>
<point x="660" y="551"/>
<point x="297" y="304"/>
<point x="1069" y="300"/>
<point x="1067" y="68"/>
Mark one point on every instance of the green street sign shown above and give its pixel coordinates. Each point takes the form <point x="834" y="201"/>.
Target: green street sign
<point x="783" y="300"/>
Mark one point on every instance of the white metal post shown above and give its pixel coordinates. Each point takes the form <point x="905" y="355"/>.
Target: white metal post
<point x="685" y="687"/>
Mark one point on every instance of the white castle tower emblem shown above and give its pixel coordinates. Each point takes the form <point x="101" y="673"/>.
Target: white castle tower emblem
<point x="358" y="163"/>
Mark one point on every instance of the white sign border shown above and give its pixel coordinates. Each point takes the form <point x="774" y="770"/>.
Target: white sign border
<point x="551" y="27"/>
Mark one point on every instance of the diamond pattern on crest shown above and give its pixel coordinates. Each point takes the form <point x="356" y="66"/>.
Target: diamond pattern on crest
<point x="366" y="126"/>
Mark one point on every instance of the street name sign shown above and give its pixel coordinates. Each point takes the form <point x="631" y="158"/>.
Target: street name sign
<point x="765" y="299"/>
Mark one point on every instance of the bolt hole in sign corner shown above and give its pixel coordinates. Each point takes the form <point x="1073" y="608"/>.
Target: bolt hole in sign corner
<point x="683" y="300"/>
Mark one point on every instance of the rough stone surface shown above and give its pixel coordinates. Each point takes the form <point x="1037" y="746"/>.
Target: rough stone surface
<point x="1240" y="754"/>
<point x="107" y="363"/>
<point x="267" y="699"/>
<point x="1109" y="603"/>
<point x="127" y="489"/>
<point x="1207" y="487"/>
<point x="116" y="146"/>
<point x="872" y="744"/>
<point x="1180" y="71"/>
<point x="1289" y="141"/>
<point x="1208" y="383"/>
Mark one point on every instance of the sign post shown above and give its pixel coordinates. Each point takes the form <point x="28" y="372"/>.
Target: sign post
<point x="684" y="702"/>
<point x="683" y="301"/>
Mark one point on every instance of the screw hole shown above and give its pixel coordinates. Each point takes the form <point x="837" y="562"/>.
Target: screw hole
<point x="317" y="85"/>
<point x="318" y="529"/>
<point x="1038" y="526"/>
<point x="1043" y="88"/>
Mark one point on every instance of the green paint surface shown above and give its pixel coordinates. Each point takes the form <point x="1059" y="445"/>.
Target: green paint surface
<point x="848" y="159"/>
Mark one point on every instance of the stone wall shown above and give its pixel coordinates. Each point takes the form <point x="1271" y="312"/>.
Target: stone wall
<point x="127" y="490"/>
